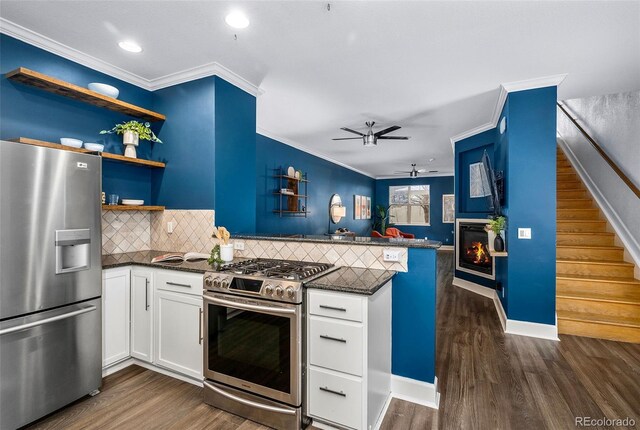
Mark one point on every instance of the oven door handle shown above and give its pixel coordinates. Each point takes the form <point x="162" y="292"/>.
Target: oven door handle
<point x="248" y="307"/>
<point x="249" y="402"/>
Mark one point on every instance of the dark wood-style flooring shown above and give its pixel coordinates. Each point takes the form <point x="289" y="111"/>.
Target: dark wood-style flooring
<point x="487" y="380"/>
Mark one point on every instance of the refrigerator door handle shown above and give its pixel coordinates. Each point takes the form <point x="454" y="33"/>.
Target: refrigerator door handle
<point x="47" y="320"/>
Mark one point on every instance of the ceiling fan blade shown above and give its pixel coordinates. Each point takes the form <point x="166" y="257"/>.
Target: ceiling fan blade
<point x="347" y="138"/>
<point x="394" y="137"/>
<point x="402" y="172"/>
<point x="387" y="130"/>
<point x="421" y="170"/>
<point x="351" y="131"/>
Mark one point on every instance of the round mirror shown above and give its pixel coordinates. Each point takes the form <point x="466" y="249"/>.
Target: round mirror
<point x="336" y="210"/>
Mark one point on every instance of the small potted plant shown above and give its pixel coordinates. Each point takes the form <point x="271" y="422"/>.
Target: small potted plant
<point x="497" y="225"/>
<point x="224" y="249"/>
<point x="131" y="132"/>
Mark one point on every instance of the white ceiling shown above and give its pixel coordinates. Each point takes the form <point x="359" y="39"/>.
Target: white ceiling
<point x="433" y="68"/>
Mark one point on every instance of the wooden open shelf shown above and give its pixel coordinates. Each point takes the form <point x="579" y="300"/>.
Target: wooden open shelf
<point x="291" y="212"/>
<point x="291" y="178"/>
<point x="105" y="155"/>
<point x="289" y="195"/>
<point x="57" y="86"/>
<point x="131" y="208"/>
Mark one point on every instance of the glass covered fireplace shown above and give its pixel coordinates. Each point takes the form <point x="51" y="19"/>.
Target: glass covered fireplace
<point x="472" y="250"/>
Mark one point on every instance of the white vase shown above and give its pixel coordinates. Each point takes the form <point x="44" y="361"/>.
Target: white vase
<point x="226" y="252"/>
<point x="130" y="141"/>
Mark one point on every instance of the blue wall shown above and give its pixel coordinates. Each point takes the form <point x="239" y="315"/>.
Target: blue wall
<point x="235" y="154"/>
<point x="325" y="179"/>
<point x="413" y="328"/>
<point x="187" y="181"/>
<point x="31" y="112"/>
<point x="437" y="187"/>
<point x="531" y="155"/>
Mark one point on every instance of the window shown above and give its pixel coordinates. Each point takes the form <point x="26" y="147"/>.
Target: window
<point x="409" y="205"/>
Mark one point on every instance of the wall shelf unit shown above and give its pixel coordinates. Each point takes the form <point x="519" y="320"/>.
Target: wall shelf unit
<point x="294" y="203"/>
<point x="106" y="155"/>
<point x="131" y="208"/>
<point x="57" y="86"/>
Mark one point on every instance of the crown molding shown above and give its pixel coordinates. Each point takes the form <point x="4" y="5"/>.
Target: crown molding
<point x="422" y="175"/>
<point x="298" y="146"/>
<point x="43" y="42"/>
<point x="505" y="89"/>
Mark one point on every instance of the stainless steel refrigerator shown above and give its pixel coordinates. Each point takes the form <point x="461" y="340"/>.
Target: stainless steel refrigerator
<point x="50" y="280"/>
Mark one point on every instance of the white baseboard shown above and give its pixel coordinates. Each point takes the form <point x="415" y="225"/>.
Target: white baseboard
<point x="131" y="361"/>
<point x="500" y="310"/>
<point x="525" y="328"/>
<point x="383" y="413"/>
<point x="415" y="391"/>
<point x="446" y="248"/>
<point x="473" y="287"/>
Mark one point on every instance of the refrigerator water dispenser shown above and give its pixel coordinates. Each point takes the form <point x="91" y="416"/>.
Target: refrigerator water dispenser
<point x="73" y="251"/>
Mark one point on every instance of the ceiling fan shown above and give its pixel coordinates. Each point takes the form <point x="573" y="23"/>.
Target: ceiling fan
<point x="371" y="138"/>
<point x="414" y="173"/>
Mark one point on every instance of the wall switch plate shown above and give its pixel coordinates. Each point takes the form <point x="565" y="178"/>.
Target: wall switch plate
<point x="391" y="255"/>
<point x="238" y="244"/>
<point x="524" y="233"/>
<point x="170" y="227"/>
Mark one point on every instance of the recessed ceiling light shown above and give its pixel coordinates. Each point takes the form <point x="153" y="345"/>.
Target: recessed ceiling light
<point x="237" y="19"/>
<point x="130" y="46"/>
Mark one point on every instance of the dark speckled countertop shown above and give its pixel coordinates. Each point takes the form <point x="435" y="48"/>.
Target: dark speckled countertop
<point x="353" y="280"/>
<point x="344" y="279"/>
<point x="358" y="240"/>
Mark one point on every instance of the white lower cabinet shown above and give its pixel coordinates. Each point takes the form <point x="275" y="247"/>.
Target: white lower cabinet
<point x="349" y="355"/>
<point x="115" y="315"/>
<point x="155" y="316"/>
<point x="142" y="314"/>
<point x="178" y="344"/>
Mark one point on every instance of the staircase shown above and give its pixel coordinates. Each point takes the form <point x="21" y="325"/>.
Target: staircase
<point x="596" y="292"/>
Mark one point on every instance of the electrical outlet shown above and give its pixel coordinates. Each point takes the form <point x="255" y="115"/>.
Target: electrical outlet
<point x="391" y="255"/>
<point x="170" y="227"/>
<point x="238" y="244"/>
<point x="524" y="233"/>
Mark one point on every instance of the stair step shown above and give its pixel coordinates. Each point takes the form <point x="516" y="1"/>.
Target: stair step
<point x="620" y="269"/>
<point x="599" y="305"/>
<point x="564" y="169"/>
<point x="585" y="238"/>
<point x="562" y="162"/>
<point x="576" y="225"/>
<point x="571" y="193"/>
<point x="623" y="329"/>
<point x="569" y="185"/>
<point x="589" y="252"/>
<point x="582" y="214"/>
<point x="574" y="203"/>
<point x="583" y="284"/>
<point x="563" y="177"/>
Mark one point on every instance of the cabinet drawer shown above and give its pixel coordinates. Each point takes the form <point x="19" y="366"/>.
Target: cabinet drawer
<point x="186" y="283"/>
<point x="333" y="305"/>
<point x="335" y="398"/>
<point x="336" y="345"/>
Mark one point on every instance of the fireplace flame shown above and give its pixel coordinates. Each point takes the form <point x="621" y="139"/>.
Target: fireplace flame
<point x="478" y="252"/>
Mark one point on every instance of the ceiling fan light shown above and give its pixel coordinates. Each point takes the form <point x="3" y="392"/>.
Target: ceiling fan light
<point x="369" y="140"/>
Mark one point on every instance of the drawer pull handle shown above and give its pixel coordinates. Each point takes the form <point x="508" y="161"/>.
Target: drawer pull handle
<point x="333" y="308"/>
<point x="324" y="336"/>
<point x="329" y="390"/>
<point x="175" y="284"/>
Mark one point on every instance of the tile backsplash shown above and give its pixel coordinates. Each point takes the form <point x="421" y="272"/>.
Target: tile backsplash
<point x="125" y="231"/>
<point x="191" y="230"/>
<point x="364" y="256"/>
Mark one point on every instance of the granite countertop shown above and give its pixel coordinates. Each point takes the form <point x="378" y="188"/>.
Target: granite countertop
<point x="353" y="280"/>
<point x="357" y="240"/>
<point x="143" y="258"/>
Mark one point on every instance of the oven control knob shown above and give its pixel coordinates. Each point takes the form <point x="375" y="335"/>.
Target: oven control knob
<point x="290" y="292"/>
<point x="216" y="282"/>
<point x="279" y="291"/>
<point x="208" y="281"/>
<point x="224" y="283"/>
<point x="268" y="289"/>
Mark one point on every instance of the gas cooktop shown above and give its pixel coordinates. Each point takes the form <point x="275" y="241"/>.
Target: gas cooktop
<point x="272" y="279"/>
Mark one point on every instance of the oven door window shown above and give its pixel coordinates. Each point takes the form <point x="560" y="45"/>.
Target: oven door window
<point x="250" y="346"/>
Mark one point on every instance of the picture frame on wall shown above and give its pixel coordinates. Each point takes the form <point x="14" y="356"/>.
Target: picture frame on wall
<point x="448" y="208"/>
<point x="357" y="207"/>
<point x="368" y="207"/>
<point x="363" y="207"/>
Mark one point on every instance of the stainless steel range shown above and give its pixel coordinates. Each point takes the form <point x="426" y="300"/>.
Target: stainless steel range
<point x="253" y="363"/>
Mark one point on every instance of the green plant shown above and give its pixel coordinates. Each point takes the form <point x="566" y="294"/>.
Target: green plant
<point x="144" y="130"/>
<point x="380" y="219"/>
<point x="497" y="224"/>
<point x="214" y="258"/>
